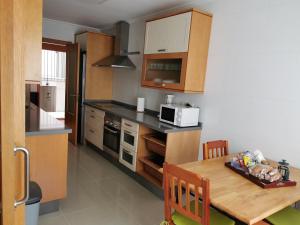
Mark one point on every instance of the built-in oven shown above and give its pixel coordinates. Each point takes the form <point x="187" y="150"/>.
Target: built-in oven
<point x="128" y="158"/>
<point x="129" y="141"/>
<point x="111" y="135"/>
<point x="129" y="138"/>
<point x="129" y="134"/>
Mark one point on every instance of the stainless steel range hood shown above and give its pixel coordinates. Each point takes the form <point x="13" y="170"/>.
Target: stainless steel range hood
<point x="120" y="58"/>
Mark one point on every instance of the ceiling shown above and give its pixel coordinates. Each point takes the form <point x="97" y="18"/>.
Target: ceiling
<point x="100" y="13"/>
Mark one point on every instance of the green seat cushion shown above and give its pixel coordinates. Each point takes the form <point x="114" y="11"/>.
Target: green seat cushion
<point x="287" y="216"/>
<point x="216" y="218"/>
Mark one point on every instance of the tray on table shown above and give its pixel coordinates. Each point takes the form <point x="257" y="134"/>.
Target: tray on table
<point x="262" y="183"/>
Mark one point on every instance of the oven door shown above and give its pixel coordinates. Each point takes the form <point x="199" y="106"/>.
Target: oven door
<point x="111" y="139"/>
<point x="128" y="158"/>
<point x="129" y="139"/>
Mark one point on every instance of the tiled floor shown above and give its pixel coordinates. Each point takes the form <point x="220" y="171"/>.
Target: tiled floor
<point x="99" y="193"/>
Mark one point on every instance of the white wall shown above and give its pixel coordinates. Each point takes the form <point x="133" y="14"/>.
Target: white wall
<point x="62" y="30"/>
<point x="252" y="95"/>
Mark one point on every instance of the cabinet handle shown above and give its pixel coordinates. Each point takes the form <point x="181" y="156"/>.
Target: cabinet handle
<point x="26" y="175"/>
<point x="110" y="130"/>
<point x="162" y="50"/>
<point x="126" y="151"/>
<point x="92" y="117"/>
<point x="128" y="125"/>
<point x="92" y="131"/>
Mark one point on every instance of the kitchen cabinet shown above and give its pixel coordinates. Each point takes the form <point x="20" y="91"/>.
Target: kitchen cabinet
<point x="176" y="50"/>
<point x="155" y="148"/>
<point x="94" y="124"/>
<point x="98" y="80"/>
<point x="33" y="41"/>
<point x="48" y="164"/>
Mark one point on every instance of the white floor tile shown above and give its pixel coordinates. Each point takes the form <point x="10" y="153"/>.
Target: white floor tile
<point x="56" y="218"/>
<point x="99" y="193"/>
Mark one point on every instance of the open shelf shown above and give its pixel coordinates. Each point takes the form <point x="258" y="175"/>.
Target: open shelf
<point x="152" y="167"/>
<point x="155" y="148"/>
<point x="153" y="161"/>
<point x="152" y="156"/>
<point x="156" y="143"/>
<point x="150" y="178"/>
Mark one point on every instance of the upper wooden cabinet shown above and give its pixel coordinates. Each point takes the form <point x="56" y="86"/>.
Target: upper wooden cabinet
<point x="168" y="35"/>
<point x="33" y="41"/>
<point x="175" y="53"/>
<point x="98" y="82"/>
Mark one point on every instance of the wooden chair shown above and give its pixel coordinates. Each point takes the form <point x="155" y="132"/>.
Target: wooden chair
<point x="193" y="212"/>
<point x="214" y="149"/>
<point x="287" y="216"/>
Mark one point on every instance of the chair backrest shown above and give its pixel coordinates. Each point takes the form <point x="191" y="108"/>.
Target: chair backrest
<point x="214" y="149"/>
<point x="176" y="178"/>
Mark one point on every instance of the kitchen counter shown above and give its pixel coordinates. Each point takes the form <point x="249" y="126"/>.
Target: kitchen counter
<point x="39" y="122"/>
<point x="47" y="142"/>
<point x="148" y="118"/>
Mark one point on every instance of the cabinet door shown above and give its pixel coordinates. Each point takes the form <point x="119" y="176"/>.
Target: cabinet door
<point x="165" y="71"/>
<point x="168" y="35"/>
<point x="33" y="41"/>
<point x="101" y="125"/>
<point x="94" y="124"/>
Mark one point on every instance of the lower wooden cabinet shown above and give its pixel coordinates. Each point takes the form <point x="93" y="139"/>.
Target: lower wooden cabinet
<point x="48" y="164"/>
<point x="94" y="123"/>
<point x="155" y="148"/>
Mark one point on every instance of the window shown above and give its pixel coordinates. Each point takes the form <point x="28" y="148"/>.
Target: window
<point x="53" y="66"/>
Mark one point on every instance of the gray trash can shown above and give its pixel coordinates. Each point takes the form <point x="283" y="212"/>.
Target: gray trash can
<point x="33" y="204"/>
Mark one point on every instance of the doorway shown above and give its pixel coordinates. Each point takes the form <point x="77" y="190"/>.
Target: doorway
<point x="59" y="85"/>
<point x="53" y="82"/>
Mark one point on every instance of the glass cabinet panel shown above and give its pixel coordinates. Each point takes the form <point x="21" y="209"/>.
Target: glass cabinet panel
<point x="167" y="71"/>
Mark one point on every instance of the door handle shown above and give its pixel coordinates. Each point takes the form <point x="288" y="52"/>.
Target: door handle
<point x="92" y="131"/>
<point x="162" y="50"/>
<point x="124" y="150"/>
<point x="110" y="130"/>
<point x="26" y="175"/>
<point x="128" y="125"/>
<point x="127" y="132"/>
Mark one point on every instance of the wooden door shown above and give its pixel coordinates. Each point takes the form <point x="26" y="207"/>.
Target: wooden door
<point x="12" y="109"/>
<point x="33" y="37"/>
<point x="72" y="90"/>
<point x="168" y="35"/>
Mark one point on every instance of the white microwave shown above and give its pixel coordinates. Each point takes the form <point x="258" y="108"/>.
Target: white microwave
<point x="178" y="115"/>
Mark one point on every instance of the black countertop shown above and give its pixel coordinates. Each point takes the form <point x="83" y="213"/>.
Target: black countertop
<point x="148" y="118"/>
<point x="39" y="122"/>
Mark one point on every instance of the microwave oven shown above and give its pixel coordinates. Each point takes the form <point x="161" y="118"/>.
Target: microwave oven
<point x="179" y="115"/>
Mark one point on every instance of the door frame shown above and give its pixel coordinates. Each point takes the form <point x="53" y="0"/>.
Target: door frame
<point x="72" y="136"/>
<point x="55" y="45"/>
<point x="64" y="46"/>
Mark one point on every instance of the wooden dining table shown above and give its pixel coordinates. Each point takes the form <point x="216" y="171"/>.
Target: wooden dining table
<point x="239" y="197"/>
